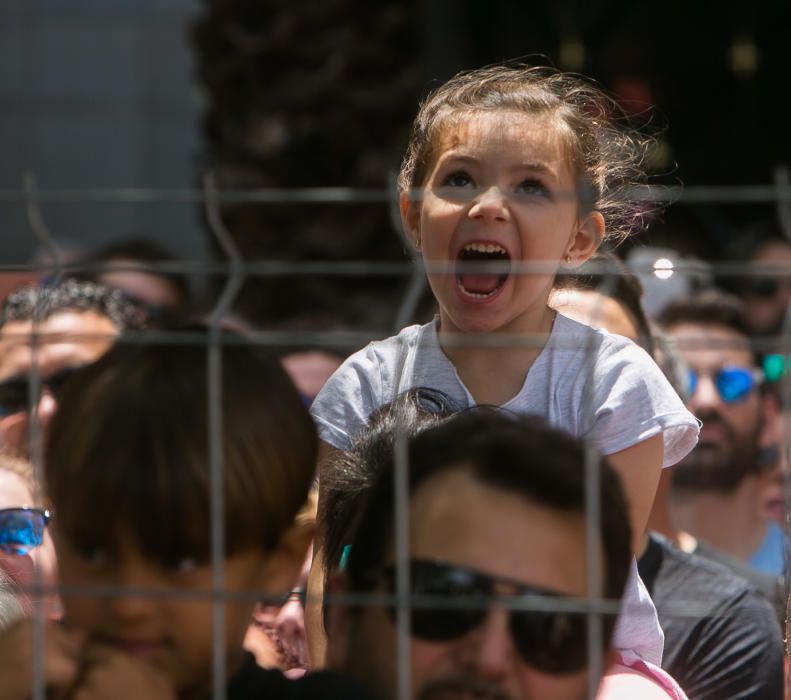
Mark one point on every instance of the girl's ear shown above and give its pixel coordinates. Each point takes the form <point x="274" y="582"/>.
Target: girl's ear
<point x="586" y="239"/>
<point x="410" y="218"/>
<point x="284" y="563"/>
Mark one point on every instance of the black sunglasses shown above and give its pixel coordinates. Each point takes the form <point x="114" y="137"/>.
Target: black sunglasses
<point x="15" y="392"/>
<point x="552" y="641"/>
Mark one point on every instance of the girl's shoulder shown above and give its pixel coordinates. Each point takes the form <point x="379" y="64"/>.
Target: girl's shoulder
<point x="368" y="379"/>
<point x="406" y="338"/>
<point x="390" y="353"/>
<point x="574" y="336"/>
<point x="374" y="368"/>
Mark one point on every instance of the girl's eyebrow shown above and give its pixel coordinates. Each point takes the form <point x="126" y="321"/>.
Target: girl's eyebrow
<point x="536" y="167"/>
<point x="533" y="166"/>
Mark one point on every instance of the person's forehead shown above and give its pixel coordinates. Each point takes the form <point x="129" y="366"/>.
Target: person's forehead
<point x="538" y="138"/>
<point x="65" y="339"/>
<point x="711" y="344"/>
<point x="459" y="520"/>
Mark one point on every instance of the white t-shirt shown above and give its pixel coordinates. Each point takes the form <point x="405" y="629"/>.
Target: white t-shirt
<point x="592" y="384"/>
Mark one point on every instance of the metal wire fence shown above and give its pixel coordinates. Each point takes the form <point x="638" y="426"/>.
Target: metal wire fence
<point x="235" y="270"/>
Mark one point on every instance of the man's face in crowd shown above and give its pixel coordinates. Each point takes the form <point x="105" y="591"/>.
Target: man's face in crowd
<point x="729" y="440"/>
<point x="457" y="520"/>
<point x="65" y="341"/>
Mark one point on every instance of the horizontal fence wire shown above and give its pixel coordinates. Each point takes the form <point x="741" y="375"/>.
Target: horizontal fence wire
<point x="236" y="270"/>
<point x="671" y="194"/>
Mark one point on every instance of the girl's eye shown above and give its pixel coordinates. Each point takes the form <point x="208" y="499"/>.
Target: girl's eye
<point x="532" y="187"/>
<point x="457" y="178"/>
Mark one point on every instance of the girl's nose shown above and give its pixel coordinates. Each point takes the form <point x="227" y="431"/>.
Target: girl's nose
<point x="490" y="204"/>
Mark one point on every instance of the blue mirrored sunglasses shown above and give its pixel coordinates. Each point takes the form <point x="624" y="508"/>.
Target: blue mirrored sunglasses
<point x="733" y="383"/>
<point x="22" y="529"/>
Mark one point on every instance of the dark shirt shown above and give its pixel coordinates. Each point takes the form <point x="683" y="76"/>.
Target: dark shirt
<point x="256" y="683"/>
<point x="722" y="640"/>
<point x="771" y="586"/>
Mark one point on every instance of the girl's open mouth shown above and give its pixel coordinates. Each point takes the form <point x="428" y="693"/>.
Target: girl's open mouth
<point x="484" y="269"/>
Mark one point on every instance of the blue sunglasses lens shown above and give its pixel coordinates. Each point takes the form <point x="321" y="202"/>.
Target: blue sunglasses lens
<point x="692" y="383"/>
<point x="21" y="529"/>
<point x="734" y="383"/>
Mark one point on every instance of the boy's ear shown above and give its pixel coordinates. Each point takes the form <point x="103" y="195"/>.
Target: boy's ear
<point x="586" y="239"/>
<point x="410" y="218"/>
<point x="284" y="563"/>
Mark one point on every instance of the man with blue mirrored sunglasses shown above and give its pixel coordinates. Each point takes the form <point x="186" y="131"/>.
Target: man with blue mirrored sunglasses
<point x="718" y="493"/>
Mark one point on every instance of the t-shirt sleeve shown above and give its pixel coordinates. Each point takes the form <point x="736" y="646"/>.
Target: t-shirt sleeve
<point x="342" y="407"/>
<point x="634" y="401"/>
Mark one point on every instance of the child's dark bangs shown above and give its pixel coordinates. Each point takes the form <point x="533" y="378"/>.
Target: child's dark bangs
<point x="143" y="471"/>
<point x="136" y="484"/>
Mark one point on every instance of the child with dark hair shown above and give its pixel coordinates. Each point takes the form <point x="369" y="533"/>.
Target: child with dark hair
<point x="147" y="597"/>
<point x="512" y="175"/>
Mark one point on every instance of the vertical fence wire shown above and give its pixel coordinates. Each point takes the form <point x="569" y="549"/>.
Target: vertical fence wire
<point x="41" y="233"/>
<point x="402" y="548"/>
<point x="216" y="446"/>
<point x="212" y="200"/>
<point x="593" y="515"/>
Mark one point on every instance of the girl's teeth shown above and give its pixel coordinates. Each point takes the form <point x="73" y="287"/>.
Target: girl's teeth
<point x="484" y="248"/>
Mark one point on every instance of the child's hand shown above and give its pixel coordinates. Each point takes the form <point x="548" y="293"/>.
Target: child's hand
<point x="61" y="652"/>
<point x="108" y="673"/>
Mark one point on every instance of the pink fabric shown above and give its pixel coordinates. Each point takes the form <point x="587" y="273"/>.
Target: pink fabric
<point x="658" y="675"/>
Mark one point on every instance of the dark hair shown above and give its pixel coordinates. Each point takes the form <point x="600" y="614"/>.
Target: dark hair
<point x="523" y="455"/>
<point x="39" y="302"/>
<point x="128" y="451"/>
<point x="605" y="153"/>
<point x="349" y="475"/>
<point x="606" y="274"/>
<point x="709" y="308"/>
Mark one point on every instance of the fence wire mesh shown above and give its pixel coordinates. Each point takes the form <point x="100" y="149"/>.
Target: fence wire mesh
<point x="235" y="270"/>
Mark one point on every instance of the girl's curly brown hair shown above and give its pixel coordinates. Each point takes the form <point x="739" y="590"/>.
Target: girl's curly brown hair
<point x="606" y="154"/>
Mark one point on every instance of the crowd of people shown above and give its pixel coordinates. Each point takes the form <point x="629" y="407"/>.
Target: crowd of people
<point x="481" y="506"/>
